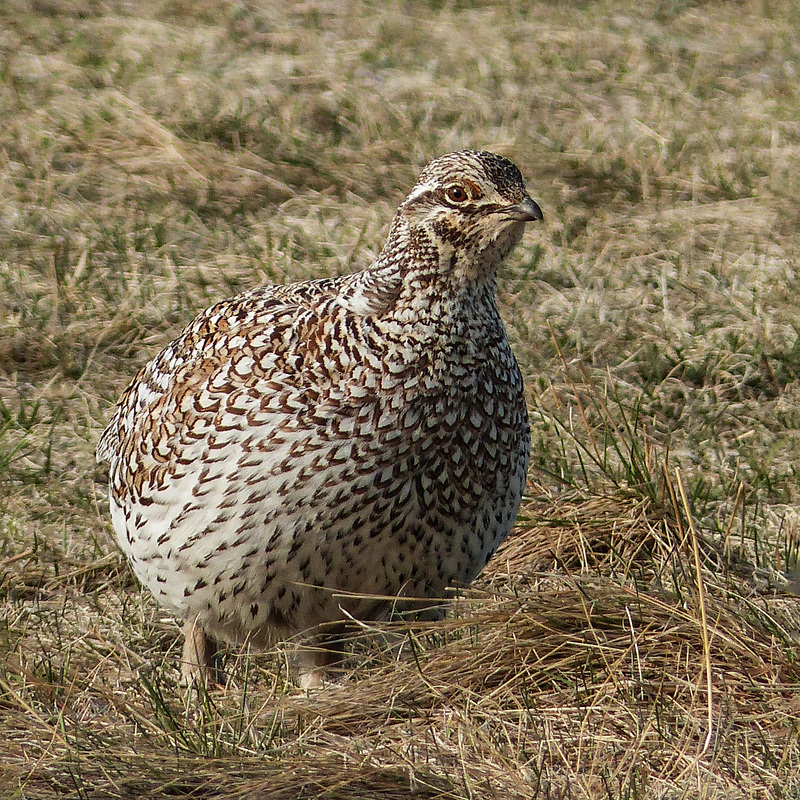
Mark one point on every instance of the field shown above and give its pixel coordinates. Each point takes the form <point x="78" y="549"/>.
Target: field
<point x="638" y="636"/>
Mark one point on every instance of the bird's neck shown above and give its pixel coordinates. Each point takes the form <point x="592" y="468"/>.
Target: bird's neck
<point x="432" y="273"/>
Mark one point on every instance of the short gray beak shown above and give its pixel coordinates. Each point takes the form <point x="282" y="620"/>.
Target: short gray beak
<point x="525" y="211"/>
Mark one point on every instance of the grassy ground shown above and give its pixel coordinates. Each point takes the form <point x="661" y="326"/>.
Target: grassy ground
<point x="638" y="636"/>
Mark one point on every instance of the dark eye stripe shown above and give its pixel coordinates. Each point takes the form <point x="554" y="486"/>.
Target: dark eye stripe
<point x="468" y="209"/>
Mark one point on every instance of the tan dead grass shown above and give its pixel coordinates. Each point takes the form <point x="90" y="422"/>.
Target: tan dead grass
<point x="156" y="158"/>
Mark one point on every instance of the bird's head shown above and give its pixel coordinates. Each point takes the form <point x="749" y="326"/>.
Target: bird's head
<point x="471" y="207"/>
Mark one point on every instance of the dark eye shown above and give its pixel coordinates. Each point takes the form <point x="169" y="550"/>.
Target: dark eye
<point x="456" y="193"/>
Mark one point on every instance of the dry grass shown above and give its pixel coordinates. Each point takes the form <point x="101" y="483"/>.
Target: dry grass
<point x="638" y="636"/>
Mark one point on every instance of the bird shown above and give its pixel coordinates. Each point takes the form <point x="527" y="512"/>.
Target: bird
<point x="309" y="454"/>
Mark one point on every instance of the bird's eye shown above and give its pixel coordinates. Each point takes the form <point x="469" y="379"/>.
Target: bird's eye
<point x="456" y="193"/>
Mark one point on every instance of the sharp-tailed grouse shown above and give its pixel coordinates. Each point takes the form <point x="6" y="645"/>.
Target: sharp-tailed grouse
<point x="306" y="452"/>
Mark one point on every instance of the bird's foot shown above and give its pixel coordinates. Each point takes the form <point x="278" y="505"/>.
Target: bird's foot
<point x="199" y="658"/>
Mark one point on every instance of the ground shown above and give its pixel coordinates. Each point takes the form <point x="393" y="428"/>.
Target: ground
<point x="638" y="635"/>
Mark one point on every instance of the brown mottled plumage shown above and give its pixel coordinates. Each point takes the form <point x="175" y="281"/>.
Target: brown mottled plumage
<point x="302" y="452"/>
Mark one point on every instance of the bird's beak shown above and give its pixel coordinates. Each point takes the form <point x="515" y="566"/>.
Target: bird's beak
<point x="525" y="211"/>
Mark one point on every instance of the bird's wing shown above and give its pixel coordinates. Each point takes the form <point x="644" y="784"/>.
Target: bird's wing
<point x="260" y="319"/>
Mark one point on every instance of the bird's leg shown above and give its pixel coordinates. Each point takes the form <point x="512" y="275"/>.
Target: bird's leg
<point x="198" y="661"/>
<point x="314" y="658"/>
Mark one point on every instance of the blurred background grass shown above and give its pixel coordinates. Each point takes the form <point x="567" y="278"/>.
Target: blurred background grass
<point x="158" y="156"/>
